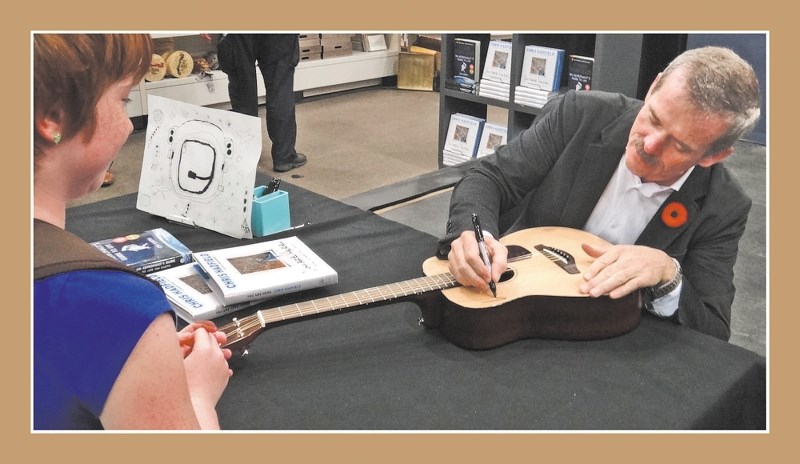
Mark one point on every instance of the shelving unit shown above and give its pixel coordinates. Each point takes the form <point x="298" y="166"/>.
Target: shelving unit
<point x="315" y="77"/>
<point x="618" y="67"/>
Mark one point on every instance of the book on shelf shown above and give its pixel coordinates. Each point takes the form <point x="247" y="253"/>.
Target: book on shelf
<point x="463" y="135"/>
<point x="190" y="295"/>
<point x="542" y="67"/>
<point x="498" y="62"/>
<point x="466" y="65"/>
<point x="146" y="252"/>
<point x="492" y="136"/>
<point x="579" y="72"/>
<point x="264" y="270"/>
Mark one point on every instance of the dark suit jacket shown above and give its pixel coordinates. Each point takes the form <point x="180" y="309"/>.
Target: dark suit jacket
<point x="555" y="172"/>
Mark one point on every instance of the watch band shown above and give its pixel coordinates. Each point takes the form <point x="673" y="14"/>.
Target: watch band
<point x="658" y="291"/>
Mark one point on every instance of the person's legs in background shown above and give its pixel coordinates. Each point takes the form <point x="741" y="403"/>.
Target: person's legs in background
<point x="278" y="55"/>
<point x="237" y="57"/>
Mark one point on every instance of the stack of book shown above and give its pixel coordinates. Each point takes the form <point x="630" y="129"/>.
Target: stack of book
<point x="461" y="142"/>
<point x="492" y="137"/>
<point x="466" y="65"/>
<point x="541" y="75"/>
<point x="531" y="97"/>
<point x="190" y="295"/>
<point x="224" y="280"/>
<point x="496" y="79"/>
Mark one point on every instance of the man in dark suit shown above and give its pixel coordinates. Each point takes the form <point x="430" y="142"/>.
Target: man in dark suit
<point x="645" y="176"/>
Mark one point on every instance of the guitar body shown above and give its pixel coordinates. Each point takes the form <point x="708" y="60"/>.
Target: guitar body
<point x="536" y="298"/>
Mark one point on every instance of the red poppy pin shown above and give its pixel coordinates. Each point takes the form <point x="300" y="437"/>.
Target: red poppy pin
<point x="674" y="214"/>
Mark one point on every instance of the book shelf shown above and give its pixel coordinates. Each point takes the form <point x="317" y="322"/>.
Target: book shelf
<point x="313" y="77"/>
<point x="619" y="66"/>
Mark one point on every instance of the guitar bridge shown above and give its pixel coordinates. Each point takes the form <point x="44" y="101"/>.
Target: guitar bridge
<point x="564" y="260"/>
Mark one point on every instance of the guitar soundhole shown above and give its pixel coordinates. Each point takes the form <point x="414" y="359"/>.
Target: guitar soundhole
<point x="508" y="275"/>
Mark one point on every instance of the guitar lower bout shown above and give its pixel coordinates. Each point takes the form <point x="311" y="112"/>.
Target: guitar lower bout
<point x="539" y="298"/>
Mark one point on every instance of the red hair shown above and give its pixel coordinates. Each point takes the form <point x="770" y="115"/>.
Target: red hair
<point x="72" y="71"/>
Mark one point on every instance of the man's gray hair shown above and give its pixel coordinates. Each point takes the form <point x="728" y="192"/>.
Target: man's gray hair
<point x="719" y="81"/>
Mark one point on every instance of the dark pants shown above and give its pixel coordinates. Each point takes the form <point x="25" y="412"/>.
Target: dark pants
<point x="276" y="56"/>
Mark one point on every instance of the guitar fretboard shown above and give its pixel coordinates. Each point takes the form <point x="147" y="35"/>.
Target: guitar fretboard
<point x="240" y="328"/>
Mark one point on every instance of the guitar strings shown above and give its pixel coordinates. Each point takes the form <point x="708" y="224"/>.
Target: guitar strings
<point x="326" y="304"/>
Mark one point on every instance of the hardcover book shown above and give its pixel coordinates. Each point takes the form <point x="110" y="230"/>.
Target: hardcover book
<point x="146" y="252"/>
<point x="466" y="64"/>
<point x="190" y="295"/>
<point x="264" y="270"/>
<point x="498" y="62"/>
<point x="463" y="134"/>
<point x="492" y="136"/>
<point x="541" y="68"/>
<point x="579" y="72"/>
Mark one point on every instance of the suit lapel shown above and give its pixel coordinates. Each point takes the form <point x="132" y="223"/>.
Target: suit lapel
<point x="658" y="234"/>
<point x="597" y="166"/>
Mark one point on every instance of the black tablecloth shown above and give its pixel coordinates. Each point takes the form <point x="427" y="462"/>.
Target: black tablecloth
<point x="378" y="369"/>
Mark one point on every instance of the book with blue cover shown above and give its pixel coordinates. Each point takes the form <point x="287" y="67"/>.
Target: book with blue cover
<point x="498" y="62"/>
<point x="461" y="142"/>
<point x="146" y="252"/>
<point x="492" y="137"/>
<point x="542" y="68"/>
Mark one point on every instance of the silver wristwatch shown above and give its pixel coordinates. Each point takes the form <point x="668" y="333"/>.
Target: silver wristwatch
<point x="658" y="291"/>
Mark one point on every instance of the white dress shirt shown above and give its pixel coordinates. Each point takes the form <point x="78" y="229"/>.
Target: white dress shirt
<point x="624" y="210"/>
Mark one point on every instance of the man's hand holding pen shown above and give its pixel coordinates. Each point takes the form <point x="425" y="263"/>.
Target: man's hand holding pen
<point x="467" y="266"/>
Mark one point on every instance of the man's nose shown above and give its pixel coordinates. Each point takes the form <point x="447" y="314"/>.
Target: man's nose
<point x="654" y="143"/>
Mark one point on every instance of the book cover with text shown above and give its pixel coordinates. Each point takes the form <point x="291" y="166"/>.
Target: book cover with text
<point x="264" y="270"/>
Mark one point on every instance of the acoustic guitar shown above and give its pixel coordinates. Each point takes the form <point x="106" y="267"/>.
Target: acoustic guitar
<point x="537" y="297"/>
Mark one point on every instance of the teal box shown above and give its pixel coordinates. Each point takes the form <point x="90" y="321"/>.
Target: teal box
<point x="270" y="212"/>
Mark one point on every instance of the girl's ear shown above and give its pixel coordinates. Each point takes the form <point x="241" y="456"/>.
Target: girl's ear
<point x="48" y="128"/>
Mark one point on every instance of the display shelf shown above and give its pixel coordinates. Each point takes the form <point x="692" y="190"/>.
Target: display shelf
<point x="618" y="67"/>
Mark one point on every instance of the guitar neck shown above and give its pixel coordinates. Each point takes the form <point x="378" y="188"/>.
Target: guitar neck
<point x="357" y="298"/>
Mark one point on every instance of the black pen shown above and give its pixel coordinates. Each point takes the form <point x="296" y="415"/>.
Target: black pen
<point x="476" y="223"/>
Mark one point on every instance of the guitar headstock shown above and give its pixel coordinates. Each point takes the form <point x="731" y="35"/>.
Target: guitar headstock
<point x="240" y="333"/>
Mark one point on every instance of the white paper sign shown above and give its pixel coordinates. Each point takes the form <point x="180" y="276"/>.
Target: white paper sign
<point x="199" y="166"/>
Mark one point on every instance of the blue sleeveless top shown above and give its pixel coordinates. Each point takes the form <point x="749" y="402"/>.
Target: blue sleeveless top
<point x="85" y="325"/>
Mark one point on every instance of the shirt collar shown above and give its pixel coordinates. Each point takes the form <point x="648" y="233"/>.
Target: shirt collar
<point x="648" y="189"/>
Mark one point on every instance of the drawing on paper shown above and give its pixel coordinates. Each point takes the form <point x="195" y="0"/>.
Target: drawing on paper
<point x="199" y="166"/>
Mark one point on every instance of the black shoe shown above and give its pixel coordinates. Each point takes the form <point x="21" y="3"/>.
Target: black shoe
<point x="295" y="161"/>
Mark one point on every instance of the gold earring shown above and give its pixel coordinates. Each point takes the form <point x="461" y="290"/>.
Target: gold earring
<point x="57" y="138"/>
